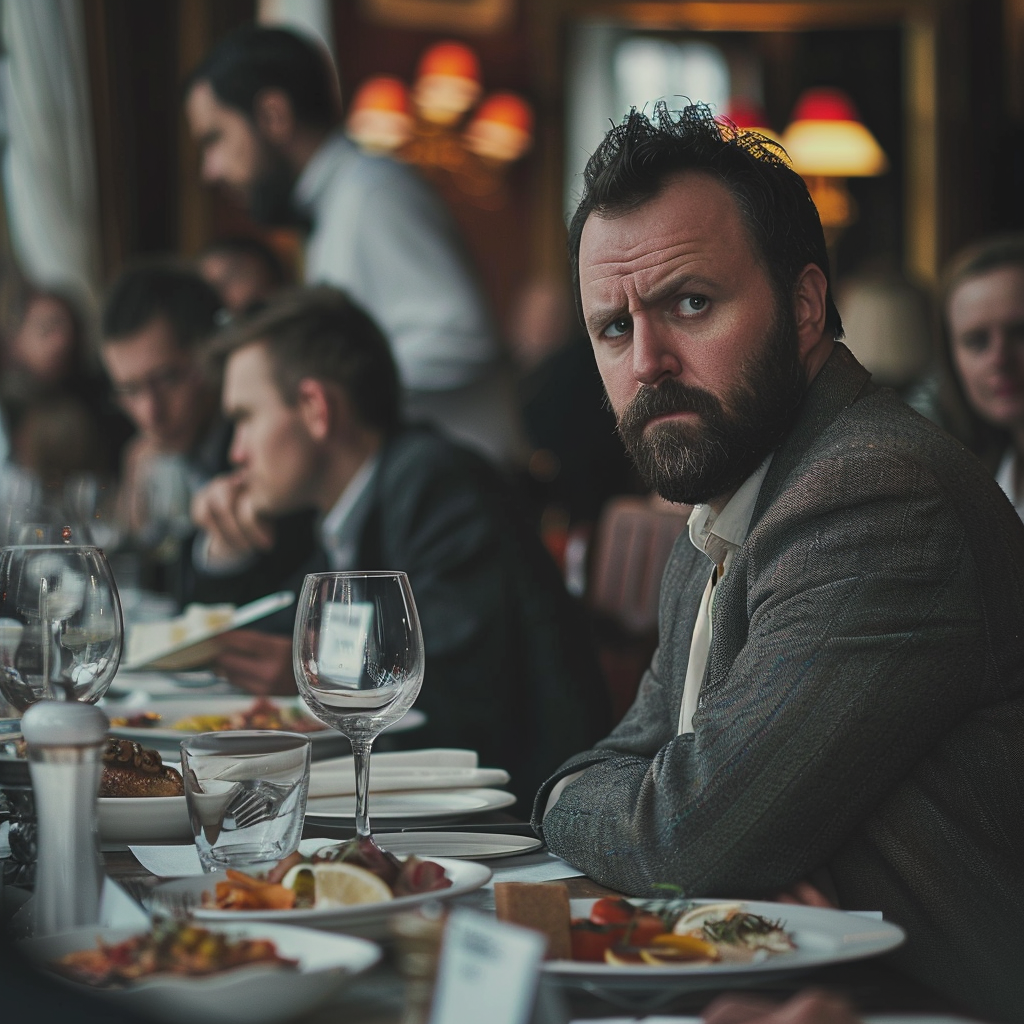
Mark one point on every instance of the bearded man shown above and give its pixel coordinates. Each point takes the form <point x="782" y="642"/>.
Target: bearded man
<point x="836" y="706"/>
<point x="263" y="106"/>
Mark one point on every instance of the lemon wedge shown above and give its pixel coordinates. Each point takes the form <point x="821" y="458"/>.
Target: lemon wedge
<point x="694" y="920"/>
<point x="337" y="884"/>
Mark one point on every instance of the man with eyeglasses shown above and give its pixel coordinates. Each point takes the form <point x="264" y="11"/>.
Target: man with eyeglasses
<point x="155" y="317"/>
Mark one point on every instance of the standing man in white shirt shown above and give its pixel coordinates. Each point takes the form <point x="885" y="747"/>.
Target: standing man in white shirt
<point x="264" y="108"/>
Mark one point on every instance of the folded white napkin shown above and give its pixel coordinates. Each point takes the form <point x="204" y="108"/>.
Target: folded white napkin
<point x="437" y="768"/>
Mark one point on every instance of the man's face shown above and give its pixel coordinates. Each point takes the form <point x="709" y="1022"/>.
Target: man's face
<point x="278" y="459"/>
<point x="236" y="156"/>
<point x="699" y="359"/>
<point x="986" y="325"/>
<point x="238" y="278"/>
<point x="160" y="385"/>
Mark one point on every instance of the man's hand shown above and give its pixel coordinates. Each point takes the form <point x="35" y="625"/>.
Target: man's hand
<point x="805" y="894"/>
<point x="224" y="511"/>
<point x="257" y="662"/>
<point x="808" y="1007"/>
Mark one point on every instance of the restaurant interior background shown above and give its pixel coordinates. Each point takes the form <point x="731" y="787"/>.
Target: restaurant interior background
<point x="939" y="83"/>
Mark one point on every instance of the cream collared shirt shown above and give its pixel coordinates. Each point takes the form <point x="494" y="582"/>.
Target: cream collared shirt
<point x="341" y="527"/>
<point x="719" y="537"/>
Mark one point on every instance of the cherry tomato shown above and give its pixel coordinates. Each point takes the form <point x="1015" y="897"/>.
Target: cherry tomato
<point x="612" y="911"/>
<point x="644" y="928"/>
<point x="589" y="940"/>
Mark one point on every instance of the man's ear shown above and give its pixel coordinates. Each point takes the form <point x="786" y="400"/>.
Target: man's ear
<point x="809" y="307"/>
<point x="274" y="116"/>
<point x="316" y="407"/>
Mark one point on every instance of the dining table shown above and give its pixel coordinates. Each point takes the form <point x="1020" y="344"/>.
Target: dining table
<point x="874" y="987"/>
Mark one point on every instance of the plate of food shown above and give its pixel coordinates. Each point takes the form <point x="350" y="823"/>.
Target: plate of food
<point x="352" y="887"/>
<point x="694" y="944"/>
<point x="224" y="973"/>
<point x="409" y="806"/>
<point x="141" y="799"/>
<point x="189" y="640"/>
<point x="168" y="721"/>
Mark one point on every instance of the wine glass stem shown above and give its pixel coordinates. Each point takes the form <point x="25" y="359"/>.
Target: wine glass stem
<point x="361" y="758"/>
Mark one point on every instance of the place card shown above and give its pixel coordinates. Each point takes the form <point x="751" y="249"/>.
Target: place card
<point x="489" y="971"/>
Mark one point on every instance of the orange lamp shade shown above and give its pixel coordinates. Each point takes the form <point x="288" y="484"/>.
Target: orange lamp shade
<point x="826" y="138"/>
<point x="502" y="128"/>
<point x="447" y="83"/>
<point x="380" y="118"/>
<point x="750" y="117"/>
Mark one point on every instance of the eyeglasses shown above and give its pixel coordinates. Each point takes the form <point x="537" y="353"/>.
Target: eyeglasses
<point x="159" y="383"/>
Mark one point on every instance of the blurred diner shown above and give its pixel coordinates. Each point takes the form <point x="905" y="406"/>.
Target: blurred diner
<point x="245" y="272"/>
<point x="313" y="393"/>
<point x="263" y="106"/>
<point x="983" y="305"/>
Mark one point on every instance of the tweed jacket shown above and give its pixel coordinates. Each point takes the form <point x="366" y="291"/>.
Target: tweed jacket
<point x="862" y="708"/>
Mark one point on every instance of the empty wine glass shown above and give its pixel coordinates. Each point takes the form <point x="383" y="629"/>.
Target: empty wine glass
<point x="60" y="624"/>
<point x="358" y="659"/>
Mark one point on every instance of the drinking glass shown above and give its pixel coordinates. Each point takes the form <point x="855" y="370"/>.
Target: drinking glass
<point x="60" y="624"/>
<point x="358" y="659"/>
<point x="246" y="795"/>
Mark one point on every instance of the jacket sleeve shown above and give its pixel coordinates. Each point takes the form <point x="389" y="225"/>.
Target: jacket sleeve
<point x="845" y="637"/>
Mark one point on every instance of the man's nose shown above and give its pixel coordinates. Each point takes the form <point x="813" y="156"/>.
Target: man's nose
<point x="655" y="352"/>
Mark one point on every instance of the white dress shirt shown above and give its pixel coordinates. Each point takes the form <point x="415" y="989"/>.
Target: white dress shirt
<point x="341" y="528"/>
<point x="719" y="537"/>
<point x="1010" y="478"/>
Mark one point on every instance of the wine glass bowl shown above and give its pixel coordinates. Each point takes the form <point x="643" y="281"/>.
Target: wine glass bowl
<point x="358" y="659"/>
<point x="60" y="624"/>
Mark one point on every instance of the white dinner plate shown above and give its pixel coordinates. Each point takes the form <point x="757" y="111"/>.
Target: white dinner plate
<point x="175" y="709"/>
<point x="821" y="936"/>
<point x="413" y="805"/>
<point x="462" y="845"/>
<point x="367" y="919"/>
<point x="200" y="649"/>
<point x="140" y="819"/>
<point x="245" y="995"/>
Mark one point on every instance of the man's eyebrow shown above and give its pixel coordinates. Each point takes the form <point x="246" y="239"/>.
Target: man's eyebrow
<point x="683" y="280"/>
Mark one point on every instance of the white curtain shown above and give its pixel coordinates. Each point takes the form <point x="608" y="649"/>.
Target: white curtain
<point x="49" y="164"/>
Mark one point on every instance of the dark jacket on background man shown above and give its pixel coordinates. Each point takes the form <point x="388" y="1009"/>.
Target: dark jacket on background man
<point x="510" y="665"/>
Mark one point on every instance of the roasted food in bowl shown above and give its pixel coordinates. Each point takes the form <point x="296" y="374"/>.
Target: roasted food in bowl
<point x="129" y="769"/>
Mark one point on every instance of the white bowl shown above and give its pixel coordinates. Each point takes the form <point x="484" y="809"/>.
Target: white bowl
<point x="140" y="819"/>
<point x="246" y="995"/>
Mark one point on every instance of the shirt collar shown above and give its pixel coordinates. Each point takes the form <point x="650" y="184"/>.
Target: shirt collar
<point x="333" y="525"/>
<point x="720" y="536"/>
<point x="320" y="171"/>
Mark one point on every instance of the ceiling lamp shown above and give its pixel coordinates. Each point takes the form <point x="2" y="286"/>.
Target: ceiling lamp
<point x="501" y="129"/>
<point x="750" y="117"/>
<point x="447" y="83"/>
<point x="827" y="143"/>
<point x="380" y="119"/>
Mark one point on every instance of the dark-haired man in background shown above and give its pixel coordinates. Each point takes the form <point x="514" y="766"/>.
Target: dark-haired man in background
<point x="244" y="271"/>
<point x="313" y="393"/>
<point x="838" y="692"/>
<point x="263" y="106"/>
<point x="156" y="317"/>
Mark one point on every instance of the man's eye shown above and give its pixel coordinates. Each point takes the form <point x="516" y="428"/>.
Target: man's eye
<point x="617" y="328"/>
<point x="693" y="304"/>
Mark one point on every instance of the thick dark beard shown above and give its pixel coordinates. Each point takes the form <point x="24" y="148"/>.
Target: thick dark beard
<point x="270" y="195"/>
<point x="693" y="463"/>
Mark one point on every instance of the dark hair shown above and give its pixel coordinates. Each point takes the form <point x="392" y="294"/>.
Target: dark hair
<point x="254" y="58"/>
<point x="632" y="164"/>
<point x="321" y="333"/>
<point x="160" y="289"/>
<point x="246" y="245"/>
<point x="986" y="440"/>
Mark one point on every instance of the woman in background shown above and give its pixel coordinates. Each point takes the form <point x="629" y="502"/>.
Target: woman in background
<point x="983" y="304"/>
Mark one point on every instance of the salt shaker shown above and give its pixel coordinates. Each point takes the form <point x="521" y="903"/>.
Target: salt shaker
<point x="65" y="743"/>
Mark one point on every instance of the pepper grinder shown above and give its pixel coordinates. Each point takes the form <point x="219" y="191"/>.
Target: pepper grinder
<point x="65" y="742"/>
